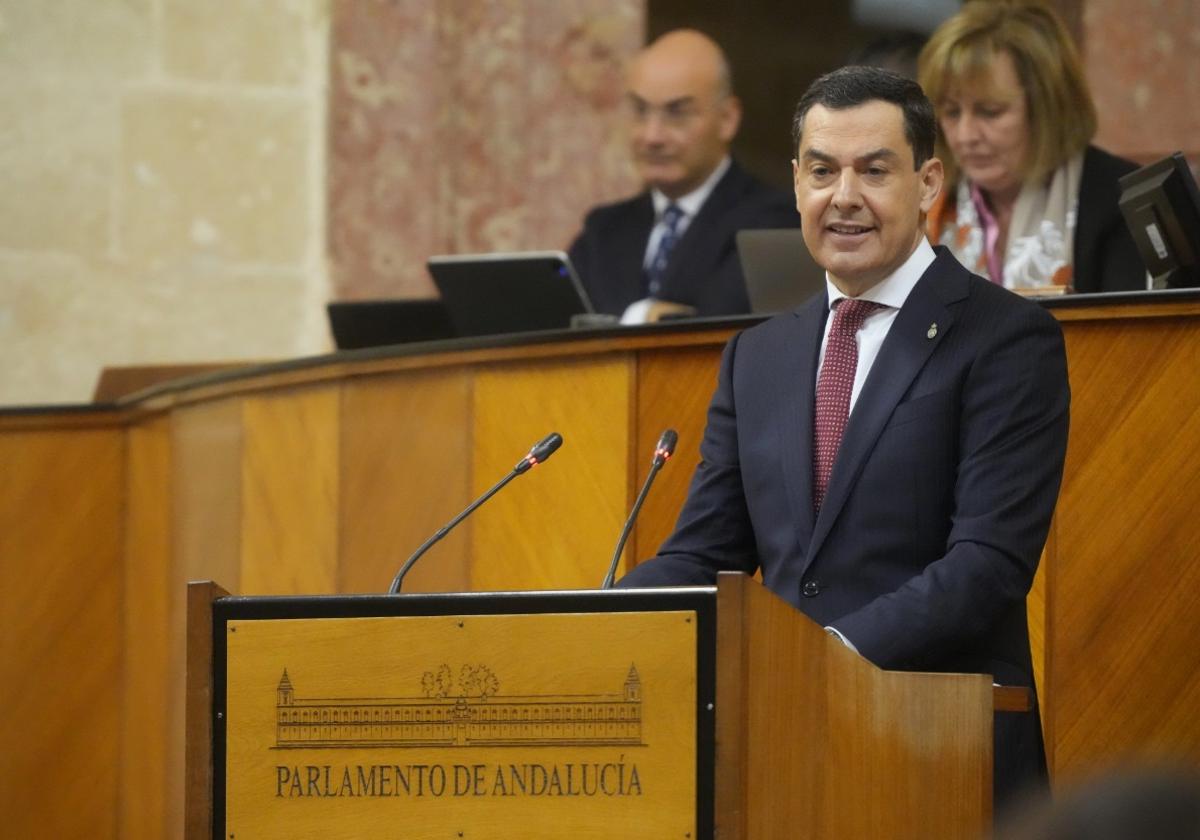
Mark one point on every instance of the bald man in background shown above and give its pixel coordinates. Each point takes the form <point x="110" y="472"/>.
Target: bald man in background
<point x="672" y="247"/>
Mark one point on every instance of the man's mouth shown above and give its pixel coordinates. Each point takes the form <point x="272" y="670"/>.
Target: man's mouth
<point x="848" y="228"/>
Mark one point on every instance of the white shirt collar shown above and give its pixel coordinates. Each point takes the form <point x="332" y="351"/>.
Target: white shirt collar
<point x="894" y="289"/>
<point x="691" y="203"/>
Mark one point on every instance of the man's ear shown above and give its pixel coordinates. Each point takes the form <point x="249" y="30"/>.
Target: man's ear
<point x="933" y="177"/>
<point x="730" y="117"/>
<point x="796" y="182"/>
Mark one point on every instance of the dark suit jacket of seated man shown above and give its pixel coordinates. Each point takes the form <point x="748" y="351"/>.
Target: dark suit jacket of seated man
<point x="940" y="497"/>
<point x="704" y="270"/>
<point x="683" y="115"/>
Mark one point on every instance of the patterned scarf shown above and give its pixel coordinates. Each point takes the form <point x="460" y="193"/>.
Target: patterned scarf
<point x="1041" y="234"/>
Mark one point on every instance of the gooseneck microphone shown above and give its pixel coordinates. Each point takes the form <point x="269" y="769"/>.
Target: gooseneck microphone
<point x="662" y="453"/>
<point x="541" y="450"/>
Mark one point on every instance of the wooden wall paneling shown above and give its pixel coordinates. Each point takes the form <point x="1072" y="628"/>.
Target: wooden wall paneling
<point x="61" y="496"/>
<point x="405" y="472"/>
<point x="674" y="387"/>
<point x="1124" y="662"/>
<point x="206" y="516"/>
<point x="206" y="486"/>
<point x="556" y="526"/>
<point x="149" y="784"/>
<point x="290" y="492"/>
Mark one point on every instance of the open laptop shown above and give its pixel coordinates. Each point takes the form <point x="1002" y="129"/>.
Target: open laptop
<point x="374" y="323"/>
<point x="779" y="271"/>
<point x="495" y="294"/>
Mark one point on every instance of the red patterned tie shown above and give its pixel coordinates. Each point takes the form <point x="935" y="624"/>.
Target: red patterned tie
<point x="832" y="407"/>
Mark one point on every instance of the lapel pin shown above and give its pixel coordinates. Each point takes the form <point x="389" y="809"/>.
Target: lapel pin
<point x="932" y="332"/>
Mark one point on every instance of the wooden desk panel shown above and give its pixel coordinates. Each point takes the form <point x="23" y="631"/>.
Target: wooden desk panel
<point x="556" y="526"/>
<point x="405" y="472"/>
<point x="290" y="490"/>
<point x="61" y="496"/>
<point x="151" y="735"/>
<point x="674" y="389"/>
<point x="1123" y="672"/>
<point x="365" y="456"/>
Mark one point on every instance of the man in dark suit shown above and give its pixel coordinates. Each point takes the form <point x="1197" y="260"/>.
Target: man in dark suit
<point x="675" y="241"/>
<point x="888" y="455"/>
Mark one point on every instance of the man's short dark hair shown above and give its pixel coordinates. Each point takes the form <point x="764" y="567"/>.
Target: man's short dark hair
<point x="848" y="87"/>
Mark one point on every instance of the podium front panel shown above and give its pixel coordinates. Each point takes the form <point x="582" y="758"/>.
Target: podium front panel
<point x="473" y="716"/>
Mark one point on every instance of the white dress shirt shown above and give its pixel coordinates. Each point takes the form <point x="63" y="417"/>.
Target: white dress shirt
<point x="892" y="291"/>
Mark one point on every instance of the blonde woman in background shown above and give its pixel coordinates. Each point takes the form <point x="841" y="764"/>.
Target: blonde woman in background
<point x="1029" y="202"/>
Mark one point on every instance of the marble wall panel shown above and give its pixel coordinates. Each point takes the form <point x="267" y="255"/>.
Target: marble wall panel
<point x="470" y="126"/>
<point x="1145" y="76"/>
<point x="387" y="83"/>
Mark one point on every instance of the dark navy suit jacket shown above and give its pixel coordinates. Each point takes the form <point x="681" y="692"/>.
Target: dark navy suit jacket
<point x="940" y="498"/>
<point x="704" y="270"/>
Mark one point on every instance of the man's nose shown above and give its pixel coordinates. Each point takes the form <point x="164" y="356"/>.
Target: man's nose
<point x="846" y="193"/>
<point x="651" y="127"/>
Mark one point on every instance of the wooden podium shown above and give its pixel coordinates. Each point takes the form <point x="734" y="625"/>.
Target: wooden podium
<point x="694" y="712"/>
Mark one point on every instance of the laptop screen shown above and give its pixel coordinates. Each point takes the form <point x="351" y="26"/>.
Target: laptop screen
<point x="374" y="323"/>
<point x="495" y="294"/>
<point x="779" y="271"/>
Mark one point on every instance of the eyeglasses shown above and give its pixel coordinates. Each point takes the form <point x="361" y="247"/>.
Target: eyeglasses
<point x="674" y="114"/>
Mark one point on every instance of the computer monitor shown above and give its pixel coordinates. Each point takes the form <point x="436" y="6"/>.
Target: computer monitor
<point x="374" y="323"/>
<point x="495" y="294"/>
<point x="1161" y="206"/>
<point x="779" y="271"/>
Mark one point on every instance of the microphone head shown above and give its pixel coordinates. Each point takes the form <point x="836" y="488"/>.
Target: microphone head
<point x="541" y="450"/>
<point x="666" y="447"/>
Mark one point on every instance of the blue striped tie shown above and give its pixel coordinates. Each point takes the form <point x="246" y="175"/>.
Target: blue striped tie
<point x="662" y="257"/>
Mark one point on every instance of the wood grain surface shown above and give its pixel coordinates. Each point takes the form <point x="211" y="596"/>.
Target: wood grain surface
<point x="320" y="476"/>
<point x="405" y="472"/>
<point x="1123" y="672"/>
<point x="61" y="495"/>
<point x="814" y="741"/>
<point x="151" y="737"/>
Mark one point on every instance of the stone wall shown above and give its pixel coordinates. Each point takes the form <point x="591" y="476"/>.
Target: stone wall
<point x="162" y="193"/>
<point x="183" y="181"/>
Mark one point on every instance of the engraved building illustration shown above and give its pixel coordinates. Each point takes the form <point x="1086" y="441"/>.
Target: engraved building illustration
<point x="462" y="719"/>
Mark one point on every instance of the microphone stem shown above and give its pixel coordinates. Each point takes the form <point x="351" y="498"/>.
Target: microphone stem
<point x="655" y="466"/>
<point x="446" y="529"/>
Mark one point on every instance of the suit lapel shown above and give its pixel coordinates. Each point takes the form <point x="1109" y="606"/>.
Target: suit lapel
<point x="904" y="352"/>
<point x="629" y="251"/>
<point x="795" y="394"/>
<point x="698" y="241"/>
